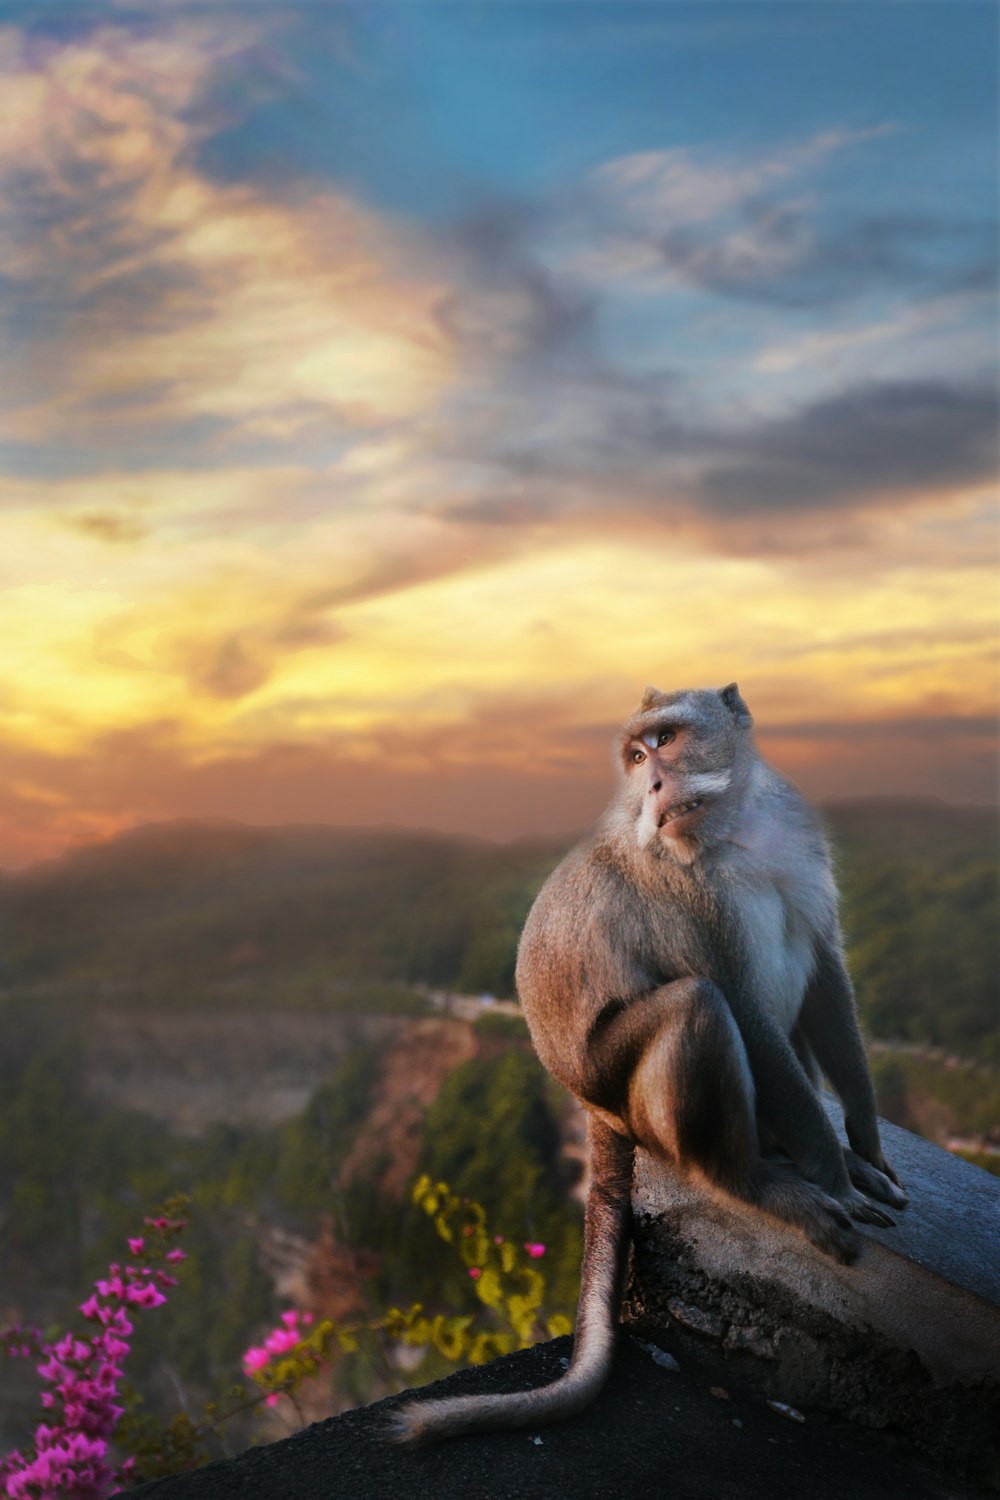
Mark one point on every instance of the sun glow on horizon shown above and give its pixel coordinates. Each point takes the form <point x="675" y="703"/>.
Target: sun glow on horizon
<point x="304" y="472"/>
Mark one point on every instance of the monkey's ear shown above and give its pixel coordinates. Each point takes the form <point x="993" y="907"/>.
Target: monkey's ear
<point x="731" y="698"/>
<point x="650" y="697"/>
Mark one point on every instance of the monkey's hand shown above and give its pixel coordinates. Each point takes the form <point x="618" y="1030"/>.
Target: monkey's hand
<point x="874" y="1181"/>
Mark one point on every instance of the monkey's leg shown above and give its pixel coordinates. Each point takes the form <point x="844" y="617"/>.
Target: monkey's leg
<point x="673" y="1065"/>
<point x="606" y="1228"/>
<point x="829" y="1023"/>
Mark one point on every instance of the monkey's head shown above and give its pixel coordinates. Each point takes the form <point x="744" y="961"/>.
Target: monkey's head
<point x="683" y="758"/>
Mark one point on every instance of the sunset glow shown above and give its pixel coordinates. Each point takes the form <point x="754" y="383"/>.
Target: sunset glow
<point x="379" y="413"/>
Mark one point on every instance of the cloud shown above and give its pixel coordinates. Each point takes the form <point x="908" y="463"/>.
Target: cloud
<point x="232" y="671"/>
<point x="107" y="526"/>
<point x="754" y="226"/>
<point x="526" y="766"/>
<point x="858" y="448"/>
<point x="503" y="303"/>
<point x="588" y="450"/>
<point x="943" y="330"/>
<point x="662" y="190"/>
<point x="151" y="295"/>
<point x="934" y="725"/>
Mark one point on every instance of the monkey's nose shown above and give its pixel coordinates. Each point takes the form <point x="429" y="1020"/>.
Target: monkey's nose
<point x="655" y="786"/>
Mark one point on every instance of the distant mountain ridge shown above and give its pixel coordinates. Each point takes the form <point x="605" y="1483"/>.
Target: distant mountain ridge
<point x="176" y="836"/>
<point x="189" y="897"/>
<point x="179" y="907"/>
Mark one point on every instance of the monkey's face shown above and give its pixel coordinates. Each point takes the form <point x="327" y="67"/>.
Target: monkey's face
<point x="681" y="756"/>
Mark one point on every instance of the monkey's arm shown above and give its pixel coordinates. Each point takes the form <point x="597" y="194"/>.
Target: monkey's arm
<point x="829" y="1022"/>
<point x="786" y="1099"/>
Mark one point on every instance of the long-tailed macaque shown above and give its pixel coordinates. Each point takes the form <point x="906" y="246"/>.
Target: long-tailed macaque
<point x="682" y="974"/>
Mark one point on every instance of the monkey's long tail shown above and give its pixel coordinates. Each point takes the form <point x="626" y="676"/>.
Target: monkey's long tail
<point x="606" y="1230"/>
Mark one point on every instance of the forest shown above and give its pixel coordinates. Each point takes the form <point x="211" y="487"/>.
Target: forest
<point x="186" y="920"/>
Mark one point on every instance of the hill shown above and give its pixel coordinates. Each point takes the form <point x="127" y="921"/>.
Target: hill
<point x="299" y="916"/>
<point x="209" y="900"/>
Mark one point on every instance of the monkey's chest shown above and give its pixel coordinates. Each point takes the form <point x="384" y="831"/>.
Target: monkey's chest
<point x="777" y="945"/>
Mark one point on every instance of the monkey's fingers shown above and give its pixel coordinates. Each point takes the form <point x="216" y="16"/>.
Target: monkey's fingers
<point x="831" y="1231"/>
<point x="875" y="1182"/>
<point x="887" y="1171"/>
<point x="827" y="1223"/>
<point x="865" y="1212"/>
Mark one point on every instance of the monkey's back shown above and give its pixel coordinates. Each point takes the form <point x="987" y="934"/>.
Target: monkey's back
<point x="595" y="936"/>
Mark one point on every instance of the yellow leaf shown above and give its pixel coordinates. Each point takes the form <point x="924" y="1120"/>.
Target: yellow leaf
<point x="448" y="1336"/>
<point x="489" y="1288"/>
<point x="443" y="1228"/>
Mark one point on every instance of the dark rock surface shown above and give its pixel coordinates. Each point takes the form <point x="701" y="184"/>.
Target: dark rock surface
<point x="654" y="1432"/>
<point x="907" y="1336"/>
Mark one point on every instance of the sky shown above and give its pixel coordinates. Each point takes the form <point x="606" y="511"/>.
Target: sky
<point x="388" y="392"/>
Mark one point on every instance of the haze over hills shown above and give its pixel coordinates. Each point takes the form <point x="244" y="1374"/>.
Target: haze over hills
<point x="210" y="902"/>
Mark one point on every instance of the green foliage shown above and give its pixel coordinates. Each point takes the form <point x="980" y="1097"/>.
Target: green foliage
<point x="493" y="1133"/>
<point x="160" y="1447"/>
<point x="924" y="954"/>
<point x="508" y="1285"/>
<point x="40" y="1131"/>
<point x="500" y="1027"/>
<point x="988" y="1160"/>
<point x="161" y="908"/>
<point x="336" y="920"/>
<point x="936" y="1097"/>
<point x="311" y="1147"/>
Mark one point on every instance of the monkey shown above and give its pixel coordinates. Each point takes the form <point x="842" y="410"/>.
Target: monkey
<point x="682" y="974"/>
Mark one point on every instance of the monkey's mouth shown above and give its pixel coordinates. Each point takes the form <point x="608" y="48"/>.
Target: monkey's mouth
<point x="680" y="814"/>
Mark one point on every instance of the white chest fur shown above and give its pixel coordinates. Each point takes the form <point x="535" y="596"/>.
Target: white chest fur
<point x="778" y="947"/>
<point x="780" y="894"/>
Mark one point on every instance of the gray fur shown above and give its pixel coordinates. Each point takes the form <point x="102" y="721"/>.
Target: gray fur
<point x="681" y="973"/>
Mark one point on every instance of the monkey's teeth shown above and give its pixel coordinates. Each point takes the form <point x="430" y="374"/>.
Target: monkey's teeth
<point x="681" y="808"/>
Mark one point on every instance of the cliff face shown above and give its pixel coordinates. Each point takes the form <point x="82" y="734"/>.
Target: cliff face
<point x="191" y="1069"/>
<point x="418" y="1060"/>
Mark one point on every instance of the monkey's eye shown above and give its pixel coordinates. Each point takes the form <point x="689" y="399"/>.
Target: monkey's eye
<point x="638" y="756"/>
<point x="665" y="737"/>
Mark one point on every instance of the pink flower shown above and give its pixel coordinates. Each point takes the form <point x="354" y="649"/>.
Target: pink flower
<point x="174" y="1257"/>
<point x="475" y="1272"/>
<point x="255" y="1359"/>
<point x="144" y="1295"/>
<point x="281" y="1340"/>
<point x="535" y="1250"/>
<point x="114" y="1286"/>
<point x="70" y="1456"/>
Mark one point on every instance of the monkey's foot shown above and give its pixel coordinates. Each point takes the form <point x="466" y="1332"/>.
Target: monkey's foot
<point x="875" y="1183"/>
<point x="782" y="1192"/>
<point x="864" y="1211"/>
